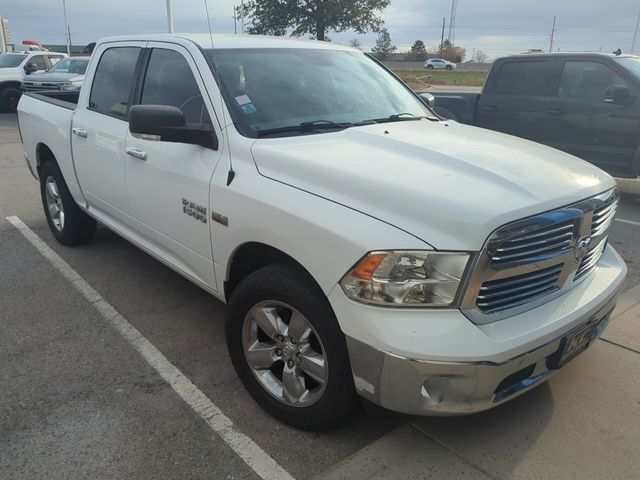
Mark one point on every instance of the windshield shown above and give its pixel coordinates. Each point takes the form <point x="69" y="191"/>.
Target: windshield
<point x="269" y="89"/>
<point x="69" y="65"/>
<point x="10" y="60"/>
<point x="630" y="63"/>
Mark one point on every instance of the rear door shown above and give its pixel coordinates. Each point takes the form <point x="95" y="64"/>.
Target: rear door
<point x="100" y="128"/>
<point x="168" y="183"/>
<point x="515" y="98"/>
<point x="580" y="122"/>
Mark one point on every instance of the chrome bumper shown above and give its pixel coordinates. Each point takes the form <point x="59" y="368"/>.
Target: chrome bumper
<point x="629" y="185"/>
<point x="419" y="387"/>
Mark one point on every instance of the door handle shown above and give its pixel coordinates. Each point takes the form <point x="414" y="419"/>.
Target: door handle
<point x="137" y="153"/>
<point x="555" y="111"/>
<point x="490" y="108"/>
<point x="81" y="132"/>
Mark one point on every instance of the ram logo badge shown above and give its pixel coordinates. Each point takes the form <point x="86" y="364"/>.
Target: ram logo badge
<point x="194" y="210"/>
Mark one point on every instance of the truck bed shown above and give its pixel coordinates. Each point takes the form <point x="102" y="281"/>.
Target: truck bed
<point x="68" y="100"/>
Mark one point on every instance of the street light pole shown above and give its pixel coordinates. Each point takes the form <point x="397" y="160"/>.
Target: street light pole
<point x="170" y="15"/>
<point x="67" y="32"/>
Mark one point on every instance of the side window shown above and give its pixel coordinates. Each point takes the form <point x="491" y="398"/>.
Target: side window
<point x="39" y="62"/>
<point x="587" y="81"/>
<point x="170" y="81"/>
<point x="112" y="81"/>
<point x="521" y="78"/>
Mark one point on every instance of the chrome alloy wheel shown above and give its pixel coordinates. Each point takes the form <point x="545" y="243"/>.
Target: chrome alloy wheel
<point x="54" y="203"/>
<point x="285" y="353"/>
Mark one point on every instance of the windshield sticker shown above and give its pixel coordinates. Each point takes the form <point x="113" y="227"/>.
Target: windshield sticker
<point x="248" y="108"/>
<point x="243" y="100"/>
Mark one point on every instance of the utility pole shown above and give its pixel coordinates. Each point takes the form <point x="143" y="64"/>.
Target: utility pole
<point x="553" y="32"/>
<point x="635" y="35"/>
<point x="67" y="32"/>
<point x="242" y="17"/>
<point x="442" y="36"/>
<point x="235" y="20"/>
<point x="170" y="16"/>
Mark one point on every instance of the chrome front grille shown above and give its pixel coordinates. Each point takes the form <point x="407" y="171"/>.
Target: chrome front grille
<point x="511" y="292"/>
<point x="545" y="241"/>
<point x="529" y="262"/>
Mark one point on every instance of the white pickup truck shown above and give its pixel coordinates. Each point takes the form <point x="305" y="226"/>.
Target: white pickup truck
<point x="363" y="244"/>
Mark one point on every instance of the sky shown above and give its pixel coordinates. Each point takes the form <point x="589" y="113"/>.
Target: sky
<point x="497" y="27"/>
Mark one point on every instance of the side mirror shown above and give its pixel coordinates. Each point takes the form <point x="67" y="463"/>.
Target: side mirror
<point x="619" y="95"/>
<point x="428" y="99"/>
<point x="30" y="68"/>
<point x="167" y="124"/>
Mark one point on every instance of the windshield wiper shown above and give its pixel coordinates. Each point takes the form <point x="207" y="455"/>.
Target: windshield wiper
<point x="396" y="117"/>
<point x="305" y="127"/>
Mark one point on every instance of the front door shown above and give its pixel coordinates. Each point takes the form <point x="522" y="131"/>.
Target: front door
<point x="168" y="183"/>
<point x="99" y="130"/>
<point x="580" y="122"/>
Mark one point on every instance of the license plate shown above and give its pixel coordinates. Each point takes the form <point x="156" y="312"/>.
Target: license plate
<point x="576" y="343"/>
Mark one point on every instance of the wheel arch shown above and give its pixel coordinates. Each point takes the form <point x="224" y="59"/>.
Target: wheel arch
<point x="44" y="154"/>
<point x="251" y="256"/>
<point x="10" y="84"/>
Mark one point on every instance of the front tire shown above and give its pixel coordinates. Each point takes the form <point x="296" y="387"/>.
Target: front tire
<point x="449" y="67"/>
<point x="68" y="223"/>
<point x="9" y="98"/>
<point x="288" y="350"/>
<point x="429" y="67"/>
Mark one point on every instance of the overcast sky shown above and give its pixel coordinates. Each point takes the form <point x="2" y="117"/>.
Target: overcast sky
<point x="497" y="27"/>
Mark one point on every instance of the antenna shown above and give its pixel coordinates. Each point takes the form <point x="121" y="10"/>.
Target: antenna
<point x="206" y="9"/>
<point x="231" y="174"/>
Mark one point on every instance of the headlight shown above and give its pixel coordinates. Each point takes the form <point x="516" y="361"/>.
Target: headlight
<point x="406" y="278"/>
<point x="70" y="86"/>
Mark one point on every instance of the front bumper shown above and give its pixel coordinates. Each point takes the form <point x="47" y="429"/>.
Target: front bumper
<point x="629" y="185"/>
<point x="461" y="375"/>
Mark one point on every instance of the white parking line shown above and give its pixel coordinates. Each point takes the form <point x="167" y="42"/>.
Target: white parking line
<point x="256" y="458"/>
<point x="630" y="222"/>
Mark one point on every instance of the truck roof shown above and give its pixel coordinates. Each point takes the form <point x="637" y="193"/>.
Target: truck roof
<point x="226" y="41"/>
<point x="567" y="54"/>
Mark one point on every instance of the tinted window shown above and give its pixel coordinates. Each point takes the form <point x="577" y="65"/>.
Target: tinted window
<point x="112" y="81"/>
<point x="38" y="61"/>
<point x="8" y="60"/>
<point x="170" y="81"/>
<point x="521" y="78"/>
<point x="587" y="81"/>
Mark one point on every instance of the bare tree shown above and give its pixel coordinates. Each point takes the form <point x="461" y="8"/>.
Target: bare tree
<point x="355" y="43"/>
<point x="480" y="57"/>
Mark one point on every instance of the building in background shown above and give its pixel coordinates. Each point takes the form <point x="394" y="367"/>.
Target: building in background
<point x="6" y="43"/>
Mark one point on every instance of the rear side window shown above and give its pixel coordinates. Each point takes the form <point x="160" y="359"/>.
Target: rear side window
<point x="587" y="81"/>
<point x="112" y="81"/>
<point x="170" y="81"/>
<point x="521" y="78"/>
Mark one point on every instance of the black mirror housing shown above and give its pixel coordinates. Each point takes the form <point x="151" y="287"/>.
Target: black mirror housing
<point x="169" y="125"/>
<point x="30" y="68"/>
<point x="619" y="95"/>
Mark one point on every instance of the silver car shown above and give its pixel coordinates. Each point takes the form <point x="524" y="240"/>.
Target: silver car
<point x="67" y="74"/>
<point x="439" y="64"/>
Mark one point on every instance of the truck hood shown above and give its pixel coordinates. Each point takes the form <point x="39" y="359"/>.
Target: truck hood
<point x="11" y="74"/>
<point x="448" y="184"/>
<point x="53" y="77"/>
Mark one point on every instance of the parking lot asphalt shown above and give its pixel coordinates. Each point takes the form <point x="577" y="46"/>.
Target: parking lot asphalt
<point x="78" y="401"/>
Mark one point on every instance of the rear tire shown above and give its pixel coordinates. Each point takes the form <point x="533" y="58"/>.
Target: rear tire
<point x="303" y="380"/>
<point x="9" y="98"/>
<point x="68" y="223"/>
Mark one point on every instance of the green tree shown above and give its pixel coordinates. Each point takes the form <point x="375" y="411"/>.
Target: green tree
<point x="419" y="51"/>
<point x="383" y="46"/>
<point x="315" y="17"/>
